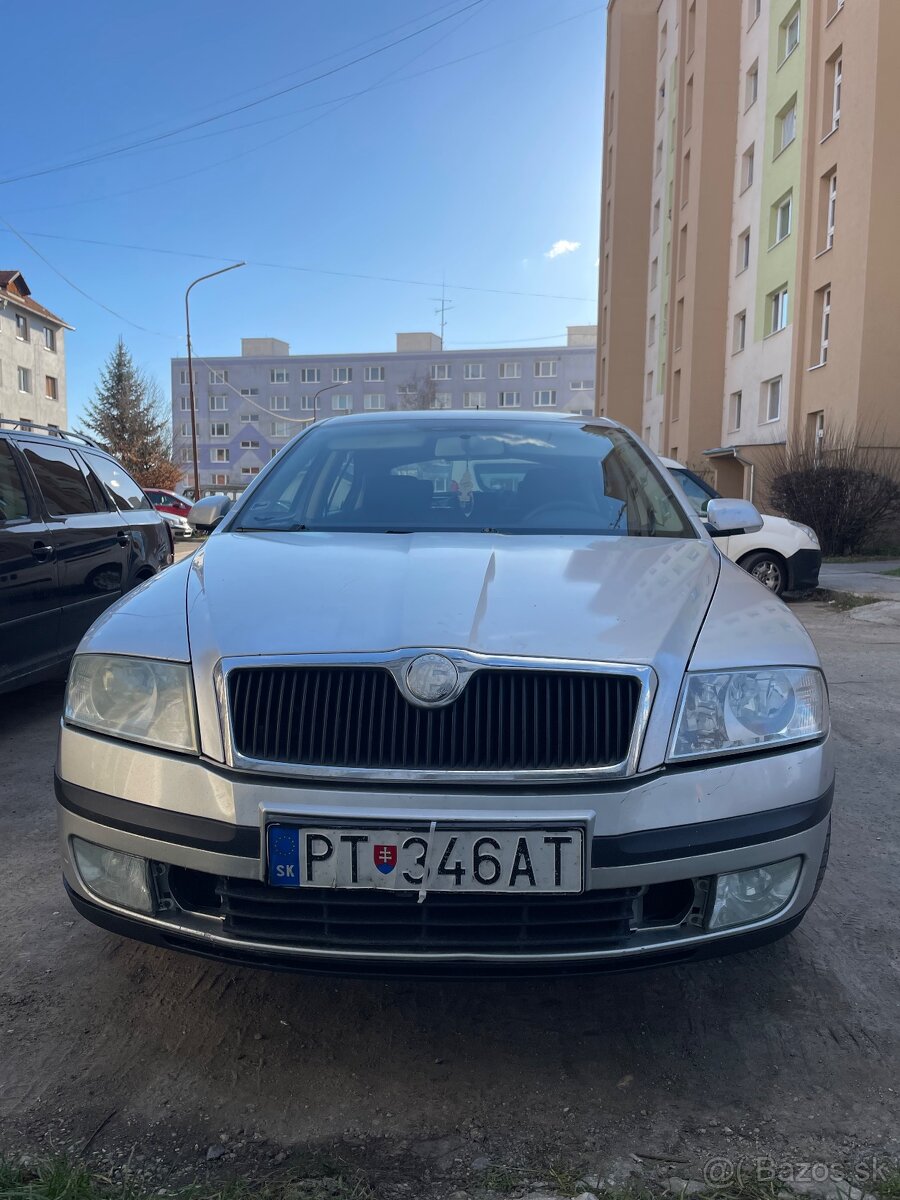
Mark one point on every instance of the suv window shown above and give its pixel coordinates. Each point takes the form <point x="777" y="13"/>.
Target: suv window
<point x="13" y="501"/>
<point x="60" y="479"/>
<point x="125" y="492"/>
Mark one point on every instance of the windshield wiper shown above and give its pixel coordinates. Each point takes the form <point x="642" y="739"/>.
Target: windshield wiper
<point x="273" y="529"/>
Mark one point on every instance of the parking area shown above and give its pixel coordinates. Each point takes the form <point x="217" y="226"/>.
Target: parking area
<point x="792" y="1049"/>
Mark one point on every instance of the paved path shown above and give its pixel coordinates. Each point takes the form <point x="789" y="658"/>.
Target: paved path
<point x="865" y="578"/>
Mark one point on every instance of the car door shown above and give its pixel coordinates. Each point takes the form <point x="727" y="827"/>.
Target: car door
<point x="90" y="540"/>
<point x="149" y="540"/>
<point x="29" y="596"/>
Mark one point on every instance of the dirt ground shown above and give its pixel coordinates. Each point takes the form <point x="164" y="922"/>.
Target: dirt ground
<point x="156" y="1057"/>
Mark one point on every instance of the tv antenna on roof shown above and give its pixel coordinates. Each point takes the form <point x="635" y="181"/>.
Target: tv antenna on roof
<point x="445" y="307"/>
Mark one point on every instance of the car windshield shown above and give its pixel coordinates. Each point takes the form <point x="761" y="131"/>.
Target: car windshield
<point x="505" y="476"/>
<point x="698" y="494"/>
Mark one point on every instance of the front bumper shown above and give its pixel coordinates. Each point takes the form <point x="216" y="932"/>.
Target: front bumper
<point x="803" y="570"/>
<point x="658" y="840"/>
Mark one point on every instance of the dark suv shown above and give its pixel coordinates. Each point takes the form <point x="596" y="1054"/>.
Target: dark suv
<point x="76" y="532"/>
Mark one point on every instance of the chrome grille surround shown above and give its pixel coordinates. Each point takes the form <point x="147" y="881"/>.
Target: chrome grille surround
<point x="467" y="662"/>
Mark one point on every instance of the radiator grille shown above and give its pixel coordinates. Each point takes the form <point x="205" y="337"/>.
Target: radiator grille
<point x="504" y="719"/>
<point x="321" y="918"/>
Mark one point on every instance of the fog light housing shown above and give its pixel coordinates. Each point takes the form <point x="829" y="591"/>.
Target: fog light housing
<point x="745" y="896"/>
<point x="113" y="875"/>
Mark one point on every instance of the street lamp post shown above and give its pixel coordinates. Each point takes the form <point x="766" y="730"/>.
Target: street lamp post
<point x="187" y="321"/>
<point x="329" y="388"/>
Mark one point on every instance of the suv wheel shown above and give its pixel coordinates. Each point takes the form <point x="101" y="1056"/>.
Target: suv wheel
<point x="768" y="568"/>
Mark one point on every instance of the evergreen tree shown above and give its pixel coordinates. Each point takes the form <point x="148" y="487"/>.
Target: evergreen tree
<point x="127" y="417"/>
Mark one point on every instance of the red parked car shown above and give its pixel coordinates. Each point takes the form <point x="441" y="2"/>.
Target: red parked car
<point x="168" y="502"/>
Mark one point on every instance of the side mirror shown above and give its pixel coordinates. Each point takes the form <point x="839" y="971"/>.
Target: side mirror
<point x="727" y="517"/>
<point x="206" y="514"/>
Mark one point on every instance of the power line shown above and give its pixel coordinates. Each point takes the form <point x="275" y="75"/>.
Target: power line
<point x="276" y="266"/>
<point x="337" y="103"/>
<point x="240" y="107"/>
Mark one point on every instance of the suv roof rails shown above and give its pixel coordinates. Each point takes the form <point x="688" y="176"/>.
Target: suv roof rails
<point x="67" y="435"/>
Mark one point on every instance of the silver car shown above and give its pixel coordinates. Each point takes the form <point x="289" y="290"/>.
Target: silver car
<point x="449" y="693"/>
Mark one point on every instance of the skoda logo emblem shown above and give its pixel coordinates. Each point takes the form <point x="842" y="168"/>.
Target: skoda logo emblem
<point x="432" y="678"/>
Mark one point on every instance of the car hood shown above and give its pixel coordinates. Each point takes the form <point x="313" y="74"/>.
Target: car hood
<point x="632" y="600"/>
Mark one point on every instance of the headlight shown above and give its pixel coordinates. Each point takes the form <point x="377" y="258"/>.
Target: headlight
<point x="140" y="699"/>
<point x="810" y="533"/>
<point x="726" y="712"/>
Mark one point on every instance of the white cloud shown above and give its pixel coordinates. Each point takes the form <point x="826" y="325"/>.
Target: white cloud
<point x="561" y="247"/>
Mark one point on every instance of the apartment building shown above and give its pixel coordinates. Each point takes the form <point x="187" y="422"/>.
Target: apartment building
<point x="748" y="247"/>
<point x="248" y="406"/>
<point x="32" y="356"/>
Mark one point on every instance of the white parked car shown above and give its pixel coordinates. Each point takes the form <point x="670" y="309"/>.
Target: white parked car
<point x="443" y="693"/>
<point x="784" y="555"/>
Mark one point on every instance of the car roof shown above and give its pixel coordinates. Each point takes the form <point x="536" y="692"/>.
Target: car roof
<point x="77" y="441"/>
<point x="441" y="415"/>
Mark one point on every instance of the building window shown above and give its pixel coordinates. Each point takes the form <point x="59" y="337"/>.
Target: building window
<point x="822" y="317"/>
<point x="747" y="167"/>
<point x="545" y="398"/>
<point x="184" y="429"/>
<point x="734" y="411"/>
<point x="280" y="429"/>
<point x="789" y="34"/>
<point x="21" y="327"/>
<point x="249" y="470"/>
<point x="689" y="104"/>
<point x="782" y="213"/>
<point x="342" y="402"/>
<point x="582" y="385"/>
<point x="220" y="454"/>
<point x="545" y="368"/>
<point x="510" y="370"/>
<point x="739" y="340"/>
<point x="654" y="274"/>
<point x="278" y="403"/>
<point x="341" y="374"/>
<point x="682" y="251"/>
<point x="249" y="391"/>
<point x="679" y="322"/>
<point x="272" y="453"/>
<point x="663" y="39"/>
<point x="676" y="395"/>
<point x="474" y="399"/>
<point x="751" y="86"/>
<point x="786" y="126"/>
<point x="442" y="400"/>
<point x="51" y="389"/>
<point x="656" y="212"/>
<point x="24" y="379"/>
<point x="310" y="374"/>
<point x="306" y="403"/>
<point x="743" y="256"/>
<point x="218" y="403"/>
<point x="658" y="159"/>
<point x="186" y="403"/>
<point x="754" y="8"/>
<point x="772" y="400"/>
<point x="279" y="375"/>
<point x="836" y="79"/>
<point x="691" y="28"/>
<point x="407" y="391"/>
<point x="473" y="371"/>
<point x="830" y="208"/>
<point x="651" y="329"/>
<point x="373" y="400"/>
<point x="373" y="375"/>
<point x="648" y="386"/>
<point x="220" y="480"/>
<point x="777" y="308"/>
<point x="250" y="418"/>
<point x="187" y="454"/>
<point x="218" y="377"/>
<point x="686" y="179"/>
<point x="834" y="7"/>
<point x="440" y="370"/>
<point x="510" y="399"/>
<point x="49" y="338"/>
<point x="218" y="429"/>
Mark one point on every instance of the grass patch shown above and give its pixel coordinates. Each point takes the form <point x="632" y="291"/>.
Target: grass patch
<point x="60" y="1180"/>
<point x="842" y="601"/>
<point x="888" y="1189"/>
<point x="893" y="571"/>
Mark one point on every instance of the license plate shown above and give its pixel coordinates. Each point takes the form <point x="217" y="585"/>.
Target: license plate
<point x="448" y="860"/>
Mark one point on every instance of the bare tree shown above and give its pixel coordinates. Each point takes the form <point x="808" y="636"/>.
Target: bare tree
<point x="845" y="484"/>
<point x="419" y="391"/>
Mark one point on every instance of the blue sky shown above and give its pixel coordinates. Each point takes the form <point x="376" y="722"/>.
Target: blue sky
<point x="472" y="171"/>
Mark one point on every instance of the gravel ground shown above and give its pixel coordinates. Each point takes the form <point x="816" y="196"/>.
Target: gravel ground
<point x="176" y="1066"/>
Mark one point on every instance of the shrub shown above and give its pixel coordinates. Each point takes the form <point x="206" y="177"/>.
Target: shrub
<point x="843" y="485"/>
